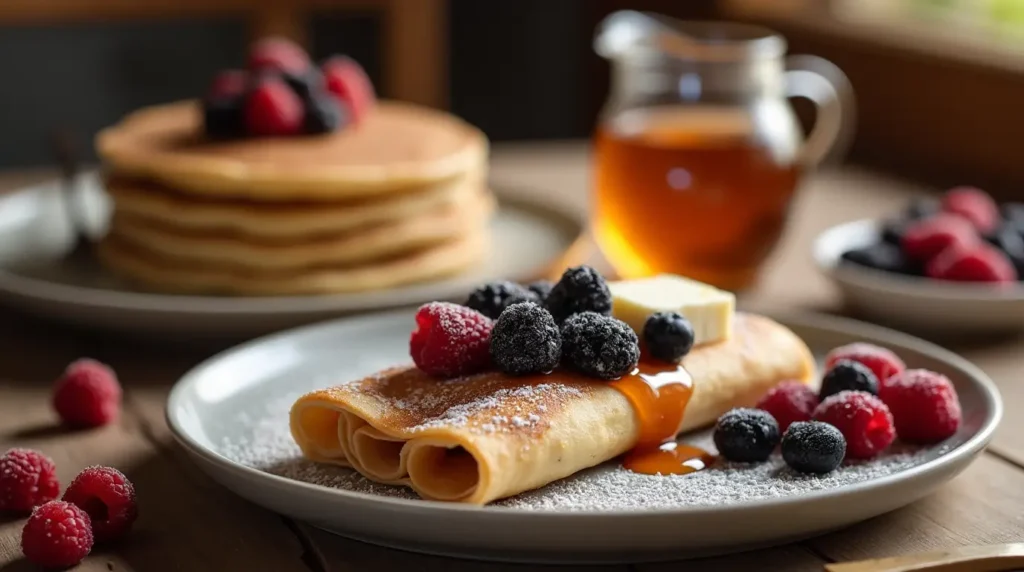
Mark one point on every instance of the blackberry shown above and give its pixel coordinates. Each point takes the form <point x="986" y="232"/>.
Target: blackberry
<point x="541" y="288"/>
<point x="581" y="289"/>
<point x="922" y="208"/>
<point x="525" y="340"/>
<point x="892" y="231"/>
<point x="224" y="117"/>
<point x="492" y="299"/>
<point x="599" y="346"/>
<point x="847" y="374"/>
<point x="324" y="114"/>
<point x="746" y="435"/>
<point x="668" y="336"/>
<point x="813" y="447"/>
<point x="1007" y="239"/>
<point x="308" y="85"/>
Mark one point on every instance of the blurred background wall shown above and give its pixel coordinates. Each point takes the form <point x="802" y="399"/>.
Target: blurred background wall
<point x="939" y="82"/>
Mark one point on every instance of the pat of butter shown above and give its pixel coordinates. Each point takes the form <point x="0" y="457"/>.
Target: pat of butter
<point x="709" y="309"/>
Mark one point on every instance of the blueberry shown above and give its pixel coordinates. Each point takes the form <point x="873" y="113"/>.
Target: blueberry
<point x="813" y="447"/>
<point x="746" y="435"/>
<point x="1007" y="239"/>
<point x="668" y="336"/>
<point x="492" y="298"/>
<point x="885" y="257"/>
<point x="308" y="85"/>
<point x="525" y="340"/>
<point x="599" y="346"/>
<point x="921" y="208"/>
<point x="324" y="114"/>
<point x="541" y="288"/>
<point x="1013" y="212"/>
<point x="848" y="374"/>
<point x="224" y="117"/>
<point x="581" y="289"/>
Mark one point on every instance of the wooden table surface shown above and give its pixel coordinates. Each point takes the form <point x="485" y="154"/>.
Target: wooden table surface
<point x="190" y="523"/>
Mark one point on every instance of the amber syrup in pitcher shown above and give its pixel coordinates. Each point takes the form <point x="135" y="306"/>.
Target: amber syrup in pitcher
<point x="692" y="193"/>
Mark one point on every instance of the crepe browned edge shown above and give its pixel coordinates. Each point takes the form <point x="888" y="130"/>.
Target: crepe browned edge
<point x="490" y="436"/>
<point x="397" y="146"/>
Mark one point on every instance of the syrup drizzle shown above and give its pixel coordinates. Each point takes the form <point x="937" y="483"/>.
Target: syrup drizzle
<point x="659" y="394"/>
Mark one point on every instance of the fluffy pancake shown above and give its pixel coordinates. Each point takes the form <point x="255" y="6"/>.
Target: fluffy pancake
<point x="489" y="436"/>
<point x="142" y="199"/>
<point x="164" y="273"/>
<point x="383" y="240"/>
<point x="396" y="147"/>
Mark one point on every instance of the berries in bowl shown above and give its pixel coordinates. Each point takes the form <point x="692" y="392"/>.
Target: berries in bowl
<point x="952" y="265"/>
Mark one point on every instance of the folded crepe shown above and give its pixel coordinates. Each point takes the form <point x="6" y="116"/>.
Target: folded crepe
<point x="484" y="437"/>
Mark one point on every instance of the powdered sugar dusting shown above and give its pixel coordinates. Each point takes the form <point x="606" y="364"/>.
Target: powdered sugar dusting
<point x="268" y="446"/>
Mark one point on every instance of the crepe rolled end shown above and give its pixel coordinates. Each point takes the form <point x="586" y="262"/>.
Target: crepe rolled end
<point x="316" y="430"/>
<point x="377" y="455"/>
<point x="444" y="471"/>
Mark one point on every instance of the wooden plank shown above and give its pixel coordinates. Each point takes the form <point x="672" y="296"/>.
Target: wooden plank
<point x="185" y="523"/>
<point x="792" y="558"/>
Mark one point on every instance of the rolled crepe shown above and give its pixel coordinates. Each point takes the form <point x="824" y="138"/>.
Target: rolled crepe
<point x="484" y="437"/>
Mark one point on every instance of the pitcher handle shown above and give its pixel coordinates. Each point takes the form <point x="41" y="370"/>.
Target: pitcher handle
<point x="820" y="81"/>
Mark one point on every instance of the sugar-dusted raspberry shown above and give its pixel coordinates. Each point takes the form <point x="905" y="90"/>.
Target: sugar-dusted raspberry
<point x="108" y="497"/>
<point x="978" y="263"/>
<point x="273" y="109"/>
<point x="450" y="340"/>
<point x="881" y="361"/>
<point x="599" y="346"/>
<point x="491" y="299"/>
<point x="277" y="54"/>
<point x="924" y="405"/>
<point x="581" y="289"/>
<point x="525" y="340"/>
<point x="347" y="81"/>
<point x="925" y="239"/>
<point x="57" y="535"/>
<point x="789" y="402"/>
<point x="27" y="479"/>
<point x="862" y="418"/>
<point x="87" y="395"/>
<point x="974" y="205"/>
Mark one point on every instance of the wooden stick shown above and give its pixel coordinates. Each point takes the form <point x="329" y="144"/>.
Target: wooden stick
<point x="993" y="558"/>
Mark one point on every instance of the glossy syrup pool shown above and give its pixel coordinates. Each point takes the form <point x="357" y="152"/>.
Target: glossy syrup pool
<point x="260" y="439"/>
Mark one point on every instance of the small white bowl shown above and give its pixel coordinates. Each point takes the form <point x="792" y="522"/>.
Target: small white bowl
<point x="929" y="307"/>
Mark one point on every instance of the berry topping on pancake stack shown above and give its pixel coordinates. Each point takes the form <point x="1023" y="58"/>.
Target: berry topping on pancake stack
<point x="283" y="93"/>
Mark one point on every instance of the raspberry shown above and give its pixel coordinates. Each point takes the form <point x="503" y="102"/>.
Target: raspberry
<point x="848" y="375"/>
<point x="525" y="340"/>
<point x="668" y="336"/>
<point x="272" y="108"/>
<point x="974" y="205"/>
<point x="348" y="81"/>
<point x="108" y="497"/>
<point x="924" y="405"/>
<point x="881" y="361"/>
<point x="491" y="299"/>
<point x="27" y="479"/>
<point x="789" y="402"/>
<point x="599" y="346"/>
<point x="57" y="535"/>
<point x="277" y="54"/>
<point x="862" y="418"/>
<point x="813" y="447"/>
<point x="450" y="340"/>
<point x="746" y="435"/>
<point x="87" y="395"/>
<point x="925" y="239"/>
<point x="978" y="263"/>
<point x="581" y="289"/>
<point x="228" y="84"/>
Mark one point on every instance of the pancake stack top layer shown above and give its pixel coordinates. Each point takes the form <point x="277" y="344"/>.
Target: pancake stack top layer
<point x="398" y="198"/>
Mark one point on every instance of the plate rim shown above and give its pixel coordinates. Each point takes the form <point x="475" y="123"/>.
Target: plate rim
<point x="27" y="287"/>
<point x="963" y="452"/>
<point x="885" y="282"/>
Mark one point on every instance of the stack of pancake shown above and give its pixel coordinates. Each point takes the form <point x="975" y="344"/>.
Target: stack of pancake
<point x="399" y="198"/>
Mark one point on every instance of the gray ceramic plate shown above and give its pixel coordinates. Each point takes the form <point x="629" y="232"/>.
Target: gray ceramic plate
<point x="35" y="235"/>
<point x="230" y="413"/>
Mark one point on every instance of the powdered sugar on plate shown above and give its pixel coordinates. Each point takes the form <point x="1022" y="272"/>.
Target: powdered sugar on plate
<point x="267" y="446"/>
